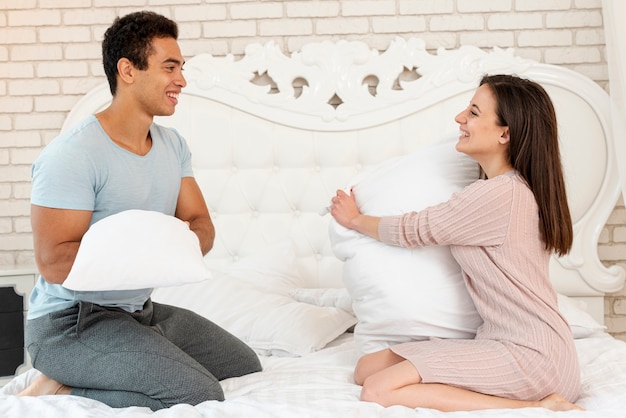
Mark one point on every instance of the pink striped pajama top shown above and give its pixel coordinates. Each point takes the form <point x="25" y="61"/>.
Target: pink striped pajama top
<point x="524" y="349"/>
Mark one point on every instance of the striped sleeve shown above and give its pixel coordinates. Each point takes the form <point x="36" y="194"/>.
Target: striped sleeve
<point x="479" y="215"/>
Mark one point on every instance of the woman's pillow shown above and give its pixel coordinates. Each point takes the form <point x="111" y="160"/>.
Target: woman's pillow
<point x="575" y="312"/>
<point x="137" y="249"/>
<point x="401" y="294"/>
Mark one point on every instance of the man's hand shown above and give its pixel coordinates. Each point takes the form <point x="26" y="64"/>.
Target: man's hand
<point x="192" y="209"/>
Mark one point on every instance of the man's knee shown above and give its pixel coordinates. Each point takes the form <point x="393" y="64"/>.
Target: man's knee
<point x="196" y="392"/>
<point x="212" y="391"/>
<point x="243" y="361"/>
<point x="251" y="364"/>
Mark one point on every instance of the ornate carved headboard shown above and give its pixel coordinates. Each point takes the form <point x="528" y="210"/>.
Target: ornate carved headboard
<point x="273" y="136"/>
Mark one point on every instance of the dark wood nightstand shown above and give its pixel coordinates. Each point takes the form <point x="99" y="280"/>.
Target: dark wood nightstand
<point x="16" y="284"/>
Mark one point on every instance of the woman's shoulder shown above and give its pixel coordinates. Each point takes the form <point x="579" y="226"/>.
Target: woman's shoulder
<point x="501" y="182"/>
<point x="509" y="186"/>
<point x="509" y="180"/>
<point x="496" y="190"/>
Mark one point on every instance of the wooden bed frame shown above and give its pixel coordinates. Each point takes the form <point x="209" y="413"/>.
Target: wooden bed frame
<point x="273" y="136"/>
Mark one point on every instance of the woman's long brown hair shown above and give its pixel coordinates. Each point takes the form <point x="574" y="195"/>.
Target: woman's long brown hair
<point x="525" y="107"/>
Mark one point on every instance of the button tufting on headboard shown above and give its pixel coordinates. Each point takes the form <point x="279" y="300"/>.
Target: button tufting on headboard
<point x="268" y="162"/>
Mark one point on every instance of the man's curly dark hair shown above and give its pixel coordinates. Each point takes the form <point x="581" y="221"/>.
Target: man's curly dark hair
<point x="131" y="37"/>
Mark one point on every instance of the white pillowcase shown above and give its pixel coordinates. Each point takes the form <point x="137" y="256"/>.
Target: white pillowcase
<point x="401" y="294"/>
<point x="581" y="323"/>
<point x="251" y="300"/>
<point x="137" y="249"/>
<point x="335" y="297"/>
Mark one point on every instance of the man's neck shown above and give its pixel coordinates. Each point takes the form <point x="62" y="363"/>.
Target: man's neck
<point x="126" y="129"/>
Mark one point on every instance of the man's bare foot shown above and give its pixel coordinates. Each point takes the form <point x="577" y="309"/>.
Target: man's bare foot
<point x="555" y="402"/>
<point x="43" y="385"/>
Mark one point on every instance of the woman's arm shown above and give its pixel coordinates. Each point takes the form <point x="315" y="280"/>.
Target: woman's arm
<point x="478" y="215"/>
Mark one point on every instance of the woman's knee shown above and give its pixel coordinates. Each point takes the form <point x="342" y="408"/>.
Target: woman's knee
<point x="360" y="371"/>
<point x="372" y="391"/>
<point x="374" y="362"/>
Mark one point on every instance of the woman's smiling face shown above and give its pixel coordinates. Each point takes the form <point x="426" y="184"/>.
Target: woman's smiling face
<point x="481" y="137"/>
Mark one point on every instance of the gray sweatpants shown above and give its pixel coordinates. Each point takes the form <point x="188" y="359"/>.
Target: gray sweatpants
<point x="157" y="357"/>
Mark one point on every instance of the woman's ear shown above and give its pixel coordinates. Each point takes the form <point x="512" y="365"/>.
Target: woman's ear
<point x="505" y="138"/>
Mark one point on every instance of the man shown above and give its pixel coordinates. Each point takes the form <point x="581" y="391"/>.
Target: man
<point x="117" y="346"/>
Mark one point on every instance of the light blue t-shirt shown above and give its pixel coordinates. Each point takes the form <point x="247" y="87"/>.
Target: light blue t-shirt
<point x="83" y="169"/>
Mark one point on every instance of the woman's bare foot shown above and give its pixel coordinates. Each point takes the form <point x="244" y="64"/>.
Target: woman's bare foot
<point x="43" y="385"/>
<point x="555" y="402"/>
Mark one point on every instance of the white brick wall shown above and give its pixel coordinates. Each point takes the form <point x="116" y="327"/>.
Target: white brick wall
<point x="50" y="57"/>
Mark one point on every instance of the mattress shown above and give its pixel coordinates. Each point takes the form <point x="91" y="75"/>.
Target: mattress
<point x="321" y="384"/>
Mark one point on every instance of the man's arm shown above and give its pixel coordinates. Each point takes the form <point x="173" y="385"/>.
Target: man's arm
<point x="192" y="208"/>
<point x="56" y="237"/>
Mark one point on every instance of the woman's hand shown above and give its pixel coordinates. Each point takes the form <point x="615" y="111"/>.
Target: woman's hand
<point x="347" y="214"/>
<point x="344" y="209"/>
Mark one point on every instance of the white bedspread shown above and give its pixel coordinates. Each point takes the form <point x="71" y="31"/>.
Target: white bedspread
<point x="321" y="385"/>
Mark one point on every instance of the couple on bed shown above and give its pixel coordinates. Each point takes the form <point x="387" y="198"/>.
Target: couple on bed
<point x="121" y="349"/>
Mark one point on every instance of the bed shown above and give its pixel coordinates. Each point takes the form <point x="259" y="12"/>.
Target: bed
<point x="273" y="136"/>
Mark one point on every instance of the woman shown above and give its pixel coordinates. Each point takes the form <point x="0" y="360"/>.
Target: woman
<point x="502" y="231"/>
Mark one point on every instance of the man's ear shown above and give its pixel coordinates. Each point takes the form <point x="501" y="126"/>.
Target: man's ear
<point x="125" y="70"/>
<point x="504" y="138"/>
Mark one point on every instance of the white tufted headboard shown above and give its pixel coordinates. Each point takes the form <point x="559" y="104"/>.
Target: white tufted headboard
<point x="273" y="137"/>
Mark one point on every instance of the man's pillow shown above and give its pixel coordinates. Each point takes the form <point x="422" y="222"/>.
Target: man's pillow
<point x="251" y="300"/>
<point x="400" y="294"/>
<point x="137" y="249"/>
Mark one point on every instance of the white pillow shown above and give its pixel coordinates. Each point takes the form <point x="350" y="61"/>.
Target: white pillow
<point x="334" y="297"/>
<point x="251" y="300"/>
<point x="272" y="270"/>
<point x="401" y="294"/>
<point x="581" y="323"/>
<point x="137" y="249"/>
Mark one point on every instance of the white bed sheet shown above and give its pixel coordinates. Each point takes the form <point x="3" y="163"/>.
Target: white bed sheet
<point x="321" y="385"/>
